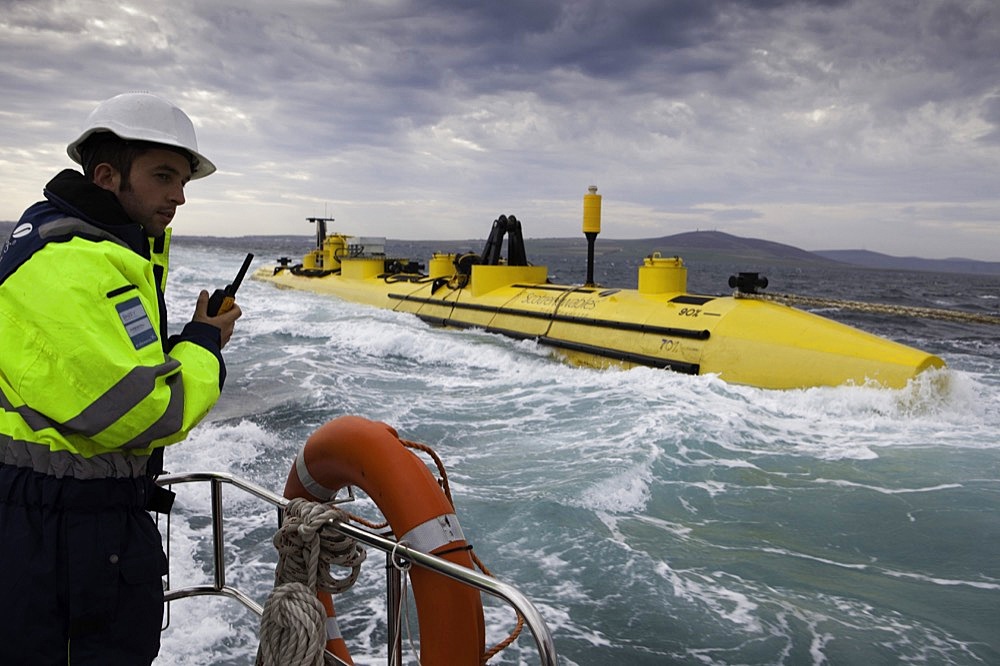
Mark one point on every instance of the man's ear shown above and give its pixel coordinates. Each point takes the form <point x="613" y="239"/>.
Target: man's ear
<point x="107" y="177"/>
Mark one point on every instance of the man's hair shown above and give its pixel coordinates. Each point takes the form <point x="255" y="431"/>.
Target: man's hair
<point x="119" y="153"/>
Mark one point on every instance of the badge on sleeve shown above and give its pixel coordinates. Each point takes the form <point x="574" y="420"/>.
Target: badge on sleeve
<point x="136" y="323"/>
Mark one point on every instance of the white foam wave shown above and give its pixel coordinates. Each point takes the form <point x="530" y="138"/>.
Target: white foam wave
<point x="887" y="491"/>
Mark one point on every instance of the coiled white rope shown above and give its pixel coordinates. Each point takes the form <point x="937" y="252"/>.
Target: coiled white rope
<point x="293" y="628"/>
<point x="900" y="310"/>
<point x="293" y="625"/>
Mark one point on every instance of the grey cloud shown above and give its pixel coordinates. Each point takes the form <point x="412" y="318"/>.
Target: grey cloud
<point x="663" y="103"/>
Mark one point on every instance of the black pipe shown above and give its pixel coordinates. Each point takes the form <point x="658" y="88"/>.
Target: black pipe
<point x="591" y="238"/>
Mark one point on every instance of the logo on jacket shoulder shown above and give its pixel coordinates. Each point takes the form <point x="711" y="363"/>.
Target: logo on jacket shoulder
<point x="136" y="322"/>
<point x="20" y="231"/>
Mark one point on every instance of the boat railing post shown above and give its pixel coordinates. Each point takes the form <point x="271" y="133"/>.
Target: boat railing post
<point x="218" y="535"/>
<point x="393" y="594"/>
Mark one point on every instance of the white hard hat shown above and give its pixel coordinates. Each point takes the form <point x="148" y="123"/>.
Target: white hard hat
<point x="143" y="116"/>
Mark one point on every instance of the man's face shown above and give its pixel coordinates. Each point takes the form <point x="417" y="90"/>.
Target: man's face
<point x="155" y="189"/>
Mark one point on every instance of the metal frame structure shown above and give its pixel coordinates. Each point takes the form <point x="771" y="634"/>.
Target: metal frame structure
<point x="219" y="587"/>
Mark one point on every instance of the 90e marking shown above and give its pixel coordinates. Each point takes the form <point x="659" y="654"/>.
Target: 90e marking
<point x="689" y="312"/>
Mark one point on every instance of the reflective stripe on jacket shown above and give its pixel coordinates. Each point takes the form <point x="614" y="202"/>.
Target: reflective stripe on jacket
<point x="88" y="388"/>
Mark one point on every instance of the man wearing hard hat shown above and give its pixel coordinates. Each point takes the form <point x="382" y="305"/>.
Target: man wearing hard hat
<point x="92" y="389"/>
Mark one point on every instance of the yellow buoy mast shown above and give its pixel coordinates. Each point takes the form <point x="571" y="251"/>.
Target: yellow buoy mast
<point x="591" y="227"/>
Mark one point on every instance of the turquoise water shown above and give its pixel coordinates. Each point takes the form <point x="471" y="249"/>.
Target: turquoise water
<point x="653" y="518"/>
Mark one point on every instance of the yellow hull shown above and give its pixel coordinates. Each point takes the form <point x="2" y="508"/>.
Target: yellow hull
<point x="743" y="341"/>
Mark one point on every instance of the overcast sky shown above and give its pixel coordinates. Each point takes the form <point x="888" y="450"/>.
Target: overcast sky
<point x="823" y="124"/>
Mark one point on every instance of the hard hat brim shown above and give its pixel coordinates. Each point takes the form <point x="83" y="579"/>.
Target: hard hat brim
<point x="202" y="165"/>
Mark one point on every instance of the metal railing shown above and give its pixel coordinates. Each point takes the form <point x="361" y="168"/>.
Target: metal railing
<point x="219" y="587"/>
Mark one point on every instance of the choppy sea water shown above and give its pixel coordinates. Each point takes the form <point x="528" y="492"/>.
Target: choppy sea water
<point x="653" y="518"/>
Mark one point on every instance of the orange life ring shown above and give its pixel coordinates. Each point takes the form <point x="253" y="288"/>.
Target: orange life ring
<point x="354" y="451"/>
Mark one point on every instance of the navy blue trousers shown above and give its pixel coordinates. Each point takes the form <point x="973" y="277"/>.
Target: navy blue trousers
<point x="80" y="571"/>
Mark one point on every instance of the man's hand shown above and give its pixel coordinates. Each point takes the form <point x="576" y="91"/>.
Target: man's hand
<point x="225" y="322"/>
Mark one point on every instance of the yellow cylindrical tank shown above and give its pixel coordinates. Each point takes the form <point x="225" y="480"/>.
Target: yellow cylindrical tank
<point x="313" y="260"/>
<point x="441" y="265"/>
<point x="658" y="275"/>
<point x="334" y="247"/>
<point x="592" y="211"/>
<point x="362" y="268"/>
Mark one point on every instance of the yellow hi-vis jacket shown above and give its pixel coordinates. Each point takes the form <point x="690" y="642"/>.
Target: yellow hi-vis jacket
<point x="88" y="386"/>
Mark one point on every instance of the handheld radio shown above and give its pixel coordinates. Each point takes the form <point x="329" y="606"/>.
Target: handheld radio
<point x="222" y="299"/>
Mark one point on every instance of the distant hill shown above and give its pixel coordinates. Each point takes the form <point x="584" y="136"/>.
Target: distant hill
<point x="708" y="246"/>
<point x="885" y="261"/>
<point x="719" y="246"/>
<point x="701" y="246"/>
<point x="736" y="246"/>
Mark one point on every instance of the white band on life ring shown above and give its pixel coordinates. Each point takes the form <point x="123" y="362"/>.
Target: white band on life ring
<point x="434" y="533"/>
<point x="312" y="486"/>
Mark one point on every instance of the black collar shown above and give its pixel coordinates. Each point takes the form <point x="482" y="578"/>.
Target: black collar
<point x="73" y="193"/>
